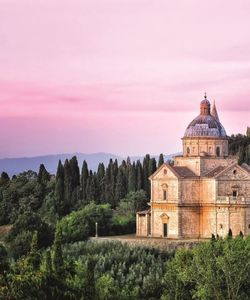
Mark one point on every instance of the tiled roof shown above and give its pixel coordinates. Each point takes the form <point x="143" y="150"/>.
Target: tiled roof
<point x="215" y="171"/>
<point x="184" y="171"/>
<point x="205" y="125"/>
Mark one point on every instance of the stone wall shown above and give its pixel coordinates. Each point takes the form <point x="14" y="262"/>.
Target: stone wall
<point x="196" y="146"/>
<point x="190" y="191"/>
<point x="141" y="226"/>
<point x="190" y="218"/>
<point x="162" y="244"/>
<point x="165" y="180"/>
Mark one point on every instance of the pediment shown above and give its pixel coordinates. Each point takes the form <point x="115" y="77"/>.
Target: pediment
<point x="164" y="172"/>
<point x="234" y="172"/>
<point x="164" y="218"/>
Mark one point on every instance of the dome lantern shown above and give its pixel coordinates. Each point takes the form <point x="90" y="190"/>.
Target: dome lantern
<point x="205" y="106"/>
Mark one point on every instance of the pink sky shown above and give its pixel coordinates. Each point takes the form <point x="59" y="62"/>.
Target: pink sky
<point x="119" y="76"/>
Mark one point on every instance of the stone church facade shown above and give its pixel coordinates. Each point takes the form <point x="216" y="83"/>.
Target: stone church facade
<point x="204" y="192"/>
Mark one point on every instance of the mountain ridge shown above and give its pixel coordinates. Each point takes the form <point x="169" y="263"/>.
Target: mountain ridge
<point x="17" y="165"/>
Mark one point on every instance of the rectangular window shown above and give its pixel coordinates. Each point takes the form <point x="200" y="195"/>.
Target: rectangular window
<point x="235" y="193"/>
<point x="165" y="230"/>
<point x="164" y="195"/>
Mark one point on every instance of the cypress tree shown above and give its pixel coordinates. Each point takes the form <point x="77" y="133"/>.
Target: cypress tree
<point x="4" y="263"/>
<point x="161" y="160"/>
<point x="75" y="172"/>
<point x="128" y="161"/>
<point x="34" y="256"/>
<point x="151" y="170"/>
<point x="120" y="190"/>
<point x="125" y="170"/>
<point x="75" y="181"/>
<point x="68" y="186"/>
<point x="230" y="234"/>
<point x="58" y="263"/>
<point x="248" y="132"/>
<point x="59" y="190"/>
<point x="145" y="169"/>
<point x="110" y="182"/>
<point x="43" y="175"/>
<point x="247" y="155"/>
<point x="139" y="175"/>
<point x="132" y="182"/>
<point x="48" y="262"/>
<point x="101" y="182"/>
<point x="91" y="189"/>
<point x="241" y="155"/>
<point x="114" y="175"/>
<point x="152" y="166"/>
<point x="43" y="178"/>
<point x="84" y="178"/>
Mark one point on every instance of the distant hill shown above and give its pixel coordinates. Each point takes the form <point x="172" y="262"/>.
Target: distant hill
<point x="17" y="165"/>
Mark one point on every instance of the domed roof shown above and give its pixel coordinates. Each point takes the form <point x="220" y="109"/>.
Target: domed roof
<point x="205" y="102"/>
<point x="206" y="124"/>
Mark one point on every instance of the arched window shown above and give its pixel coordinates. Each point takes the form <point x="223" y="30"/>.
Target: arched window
<point x="164" y="191"/>
<point x="218" y="151"/>
<point x="188" y="150"/>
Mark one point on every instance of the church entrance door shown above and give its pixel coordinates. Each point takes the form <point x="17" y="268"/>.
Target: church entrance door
<point x="165" y="229"/>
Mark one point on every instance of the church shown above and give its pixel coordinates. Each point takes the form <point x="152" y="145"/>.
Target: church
<point x="204" y="191"/>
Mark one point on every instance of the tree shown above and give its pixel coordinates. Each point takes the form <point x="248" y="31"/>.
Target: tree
<point x="89" y="287"/>
<point x="4" y="263"/>
<point x="132" y="183"/>
<point x="248" y="132"/>
<point x="91" y="188"/>
<point x="110" y="181"/>
<point x="4" y="179"/>
<point x="34" y="256"/>
<point x="20" y="236"/>
<point x="247" y="155"/>
<point x="161" y="160"/>
<point x="120" y="189"/>
<point x="43" y="175"/>
<point x="71" y="183"/>
<point x="101" y="182"/>
<point x="139" y="175"/>
<point x="59" y="191"/>
<point x="230" y="234"/>
<point x="58" y="262"/>
<point x="152" y="166"/>
<point x="68" y="187"/>
<point x="75" y="172"/>
<point x="84" y="179"/>
<point x="145" y="168"/>
<point x="241" y="155"/>
<point x="106" y="288"/>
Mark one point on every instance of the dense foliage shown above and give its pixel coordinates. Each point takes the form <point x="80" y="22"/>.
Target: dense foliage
<point x="83" y="270"/>
<point x="35" y="202"/>
<point x="218" y="269"/>
<point x="240" y="145"/>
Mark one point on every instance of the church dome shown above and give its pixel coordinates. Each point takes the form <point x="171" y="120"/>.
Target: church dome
<point x="206" y="124"/>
